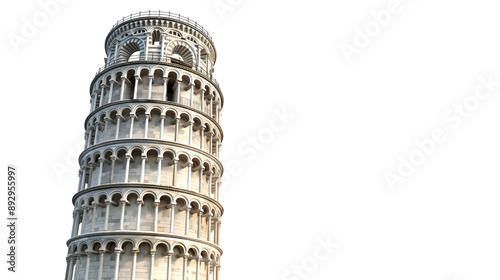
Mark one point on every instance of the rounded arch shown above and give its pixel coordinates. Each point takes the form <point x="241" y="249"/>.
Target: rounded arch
<point x="124" y="241"/>
<point x="149" y="192"/>
<point x="183" y="50"/>
<point x="143" y="241"/>
<point x="129" y="47"/>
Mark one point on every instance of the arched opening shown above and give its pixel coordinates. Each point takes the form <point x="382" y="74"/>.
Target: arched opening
<point x="143" y="85"/>
<point x="88" y="217"/>
<point x="204" y="60"/>
<point x="154" y="124"/>
<point x="94" y="261"/>
<point x="204" y="223"/>
<point x="171" y="84"/>
<point x="109" y="259"/>
<point x="151" y="168"/>
<point x="100" y="214"/>
<point x="164" y="214"/>
<point x="120" y="166"/>
<point x="167" y="169"/>
<point x="193" y="219"/>
<point x="182" y="55"/>
<point x="184" y="127"/>
<point x="204" y="268"/>
<point x="143" y="262"/>
<point x="169" y="126"/>
<point x="157" y="86"/>
<point x="112" y="122"/>
<point x="180" y="216"/>
<point x="182" y="171"/>
<point x="197" y="95"/>
<point x="156" y="37"/>
<point x="185" y="91"/>
<point x="147" y="217"/>
<point x="128" y="92"/>
<point x="130" y="51"/>
<point x="115" y="212"/>
<point x="139" y="123"/>
<point x="124" y="128"/>
<point x="191" y="265"/>
<point x="115" y="94"/>
<point x="131" y="210"/>
<point x="178" y="262"/>
<point x="135" y="167"/>
<point x="126" y="260"/>
<point x="196" y="175"/>
<point x="161" y="262"/>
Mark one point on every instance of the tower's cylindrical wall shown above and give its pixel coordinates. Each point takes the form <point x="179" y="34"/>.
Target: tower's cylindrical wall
<point x="147" y="202"/>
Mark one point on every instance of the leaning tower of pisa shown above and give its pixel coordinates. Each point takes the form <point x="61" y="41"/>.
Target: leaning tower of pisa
<point x="147" y="201"/>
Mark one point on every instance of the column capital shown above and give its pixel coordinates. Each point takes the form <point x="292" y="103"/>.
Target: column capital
<point x="207" y="215"/>
<point x="196" y="211"/>
<point x="139" y="201"/>
<point x="172" y="205"/>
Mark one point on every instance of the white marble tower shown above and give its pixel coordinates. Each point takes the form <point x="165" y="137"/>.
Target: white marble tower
<point x="147" y="202"/>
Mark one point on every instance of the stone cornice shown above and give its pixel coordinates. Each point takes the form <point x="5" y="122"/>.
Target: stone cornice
<point x="142" y="101"/>
<point x="173" y="65"/>
<point x="147" y="186"/>
<point x="126" y="233"/>
<point x="132" y="141"/>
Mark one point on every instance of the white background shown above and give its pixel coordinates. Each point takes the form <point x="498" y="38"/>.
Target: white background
<point x="321" y="175"/>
